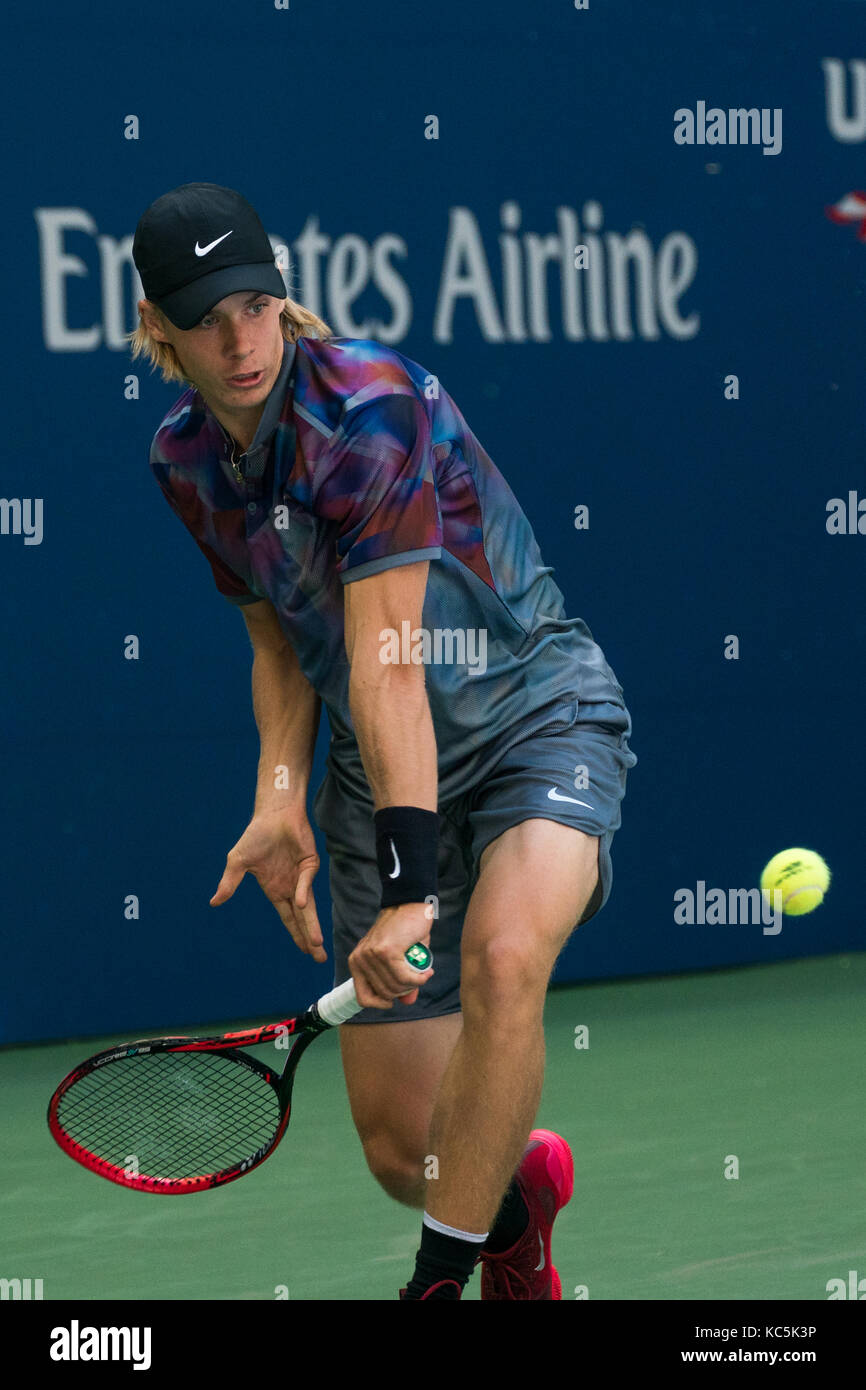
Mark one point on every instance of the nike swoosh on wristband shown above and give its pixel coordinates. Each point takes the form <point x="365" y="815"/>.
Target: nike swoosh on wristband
<point x="554" y="795"/>
<point x="396" y="873"/>
<point x="203" y="250"/>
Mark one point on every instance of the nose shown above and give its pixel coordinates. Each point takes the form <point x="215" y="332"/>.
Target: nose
<point x="236" y="340"/>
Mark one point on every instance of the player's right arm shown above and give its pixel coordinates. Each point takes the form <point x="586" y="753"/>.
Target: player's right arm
<point x="286" y="709"/>
<point x="278" y="846"/>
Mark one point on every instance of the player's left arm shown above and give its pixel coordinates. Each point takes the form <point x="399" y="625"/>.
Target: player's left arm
<point x="388" y="701"/>
<point x="394" y="728"/>
<point x="376" y="481"/>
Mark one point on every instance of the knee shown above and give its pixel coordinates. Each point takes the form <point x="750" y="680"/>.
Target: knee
<point x="397" y="1167"/>
<point x="505" y="972"/>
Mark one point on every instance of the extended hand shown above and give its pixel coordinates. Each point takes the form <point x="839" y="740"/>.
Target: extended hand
<point x="279" y="850"/>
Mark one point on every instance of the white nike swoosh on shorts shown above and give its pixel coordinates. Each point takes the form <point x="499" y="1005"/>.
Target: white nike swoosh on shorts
<point x="554" y="795"/>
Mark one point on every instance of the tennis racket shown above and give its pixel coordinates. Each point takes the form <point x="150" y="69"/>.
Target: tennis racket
<point x="179" y="1115"/>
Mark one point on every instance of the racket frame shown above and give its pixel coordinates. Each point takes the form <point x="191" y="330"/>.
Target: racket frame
<point x="304" y="1029"/>
<point x="334" y="1008"/>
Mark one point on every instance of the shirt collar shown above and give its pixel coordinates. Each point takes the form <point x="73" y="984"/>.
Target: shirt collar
<point x="274" y="403"/>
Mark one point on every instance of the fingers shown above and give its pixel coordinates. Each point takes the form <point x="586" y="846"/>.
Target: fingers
<point x="232" y="875"/>
<point x="378" y="963"/>
<point x="306" y="918"/>
<point x="369" y="988"/>
<point x="299" y="917"/>
<point x="292" y="898"/>
<point x="379" y="981"/>
<point x="366" y="996"/>
<point x="305" y="932"/>
<point x="308" y="934"/>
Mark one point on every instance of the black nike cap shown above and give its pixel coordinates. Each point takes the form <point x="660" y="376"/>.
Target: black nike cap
<point x="199" y="243"/>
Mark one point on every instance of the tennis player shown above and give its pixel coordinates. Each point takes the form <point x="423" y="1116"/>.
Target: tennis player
<point x="479" y="739"/>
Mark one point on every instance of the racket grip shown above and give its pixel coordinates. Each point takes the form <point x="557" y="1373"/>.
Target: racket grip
<point x="341" y="1003"/>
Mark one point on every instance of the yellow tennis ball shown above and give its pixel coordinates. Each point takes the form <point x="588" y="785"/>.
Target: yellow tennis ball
<point x="802" y="878"/>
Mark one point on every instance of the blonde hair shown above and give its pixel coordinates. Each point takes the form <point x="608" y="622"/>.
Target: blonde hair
<point x="295" y="322"/>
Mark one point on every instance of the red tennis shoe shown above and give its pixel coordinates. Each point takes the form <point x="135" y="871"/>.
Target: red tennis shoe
<point x="546" y="1179"/>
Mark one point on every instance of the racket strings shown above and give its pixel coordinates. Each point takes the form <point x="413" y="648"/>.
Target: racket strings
<point x="171" y="1114"/>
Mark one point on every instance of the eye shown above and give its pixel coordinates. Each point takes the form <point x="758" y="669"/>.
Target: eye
<point x="262" y="304"/>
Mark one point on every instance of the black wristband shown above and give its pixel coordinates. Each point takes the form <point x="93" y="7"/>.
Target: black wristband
<point x="407" y="853"/>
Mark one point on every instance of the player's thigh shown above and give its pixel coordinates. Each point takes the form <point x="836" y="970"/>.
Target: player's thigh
<point x="535" y="883"/>
<point x="393" y="1073"/>
<point x="542" y="840"/>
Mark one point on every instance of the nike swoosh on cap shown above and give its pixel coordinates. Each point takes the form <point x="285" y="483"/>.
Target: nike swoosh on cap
<point x="554" y="795"/>
<point x="203" y="250"/>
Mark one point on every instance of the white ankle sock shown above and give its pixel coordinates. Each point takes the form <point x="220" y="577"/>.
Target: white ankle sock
<point x="452" y="1230"/>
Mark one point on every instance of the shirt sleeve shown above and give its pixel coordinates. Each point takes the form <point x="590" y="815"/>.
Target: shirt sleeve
<point x="376" y="481"/>
<point x="229" y="584"/>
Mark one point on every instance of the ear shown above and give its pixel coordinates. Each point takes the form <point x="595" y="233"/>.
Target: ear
<point x="152" y="320"/>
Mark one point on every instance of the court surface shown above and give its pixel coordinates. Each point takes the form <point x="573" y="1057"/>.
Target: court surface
<point x="762" y="1063"/>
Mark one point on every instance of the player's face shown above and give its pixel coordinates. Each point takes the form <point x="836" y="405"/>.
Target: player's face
<point x="234" y="354"/>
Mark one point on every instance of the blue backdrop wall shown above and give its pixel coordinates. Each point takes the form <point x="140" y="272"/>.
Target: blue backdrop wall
<point x="697" y="388"/>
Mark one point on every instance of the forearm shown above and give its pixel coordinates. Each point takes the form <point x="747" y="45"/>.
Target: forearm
<point x="394" y="728"/>
<point x="287" y="711"/>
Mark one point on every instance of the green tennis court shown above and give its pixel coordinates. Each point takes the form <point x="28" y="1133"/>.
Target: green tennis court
<point x="762" y="1064"/>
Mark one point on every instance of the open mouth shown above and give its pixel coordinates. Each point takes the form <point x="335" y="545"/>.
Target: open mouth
<point x="246" y="379"/>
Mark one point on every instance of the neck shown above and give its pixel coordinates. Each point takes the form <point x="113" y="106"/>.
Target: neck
<point x="242" y="428"/>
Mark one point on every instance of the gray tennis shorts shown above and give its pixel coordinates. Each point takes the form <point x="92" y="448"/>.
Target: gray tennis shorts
<point x="568" y="764"/>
